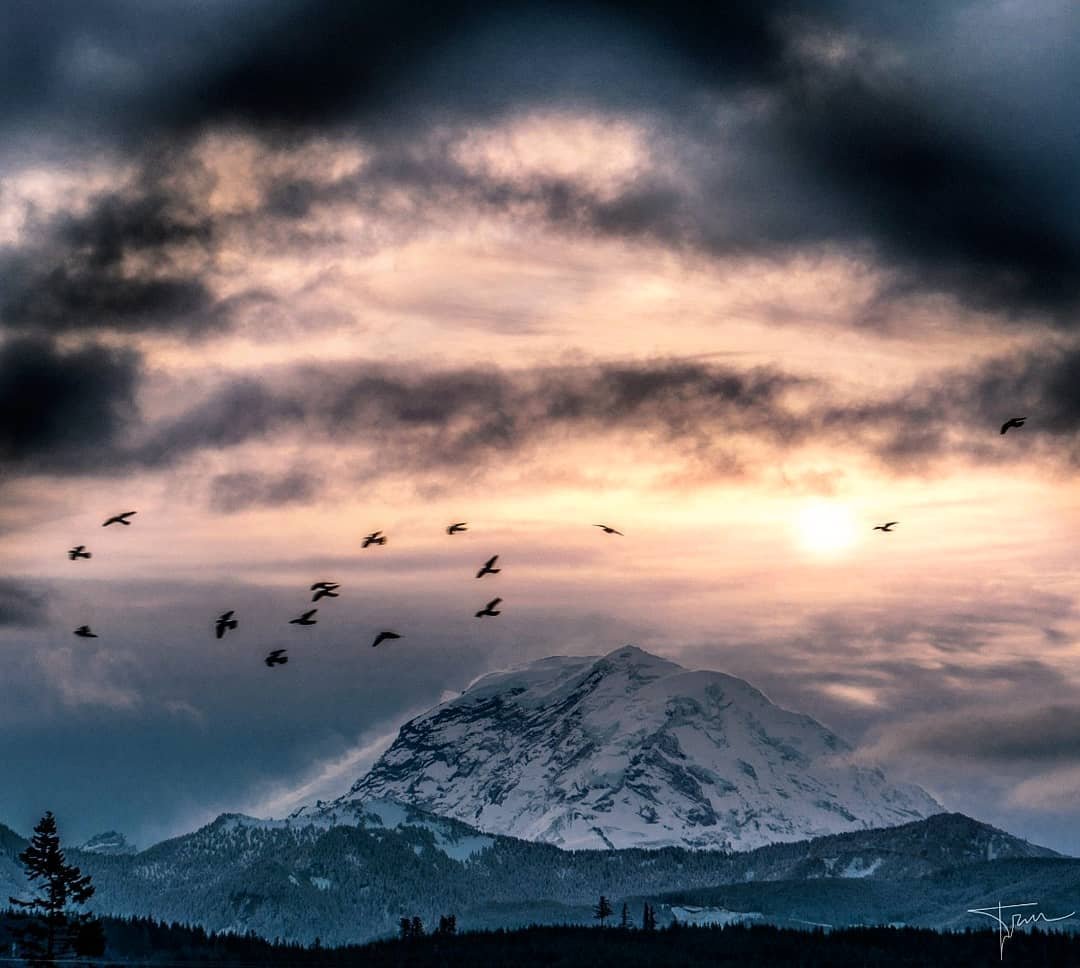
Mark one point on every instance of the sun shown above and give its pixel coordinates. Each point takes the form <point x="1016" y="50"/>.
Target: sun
<point x="827" y="528"/>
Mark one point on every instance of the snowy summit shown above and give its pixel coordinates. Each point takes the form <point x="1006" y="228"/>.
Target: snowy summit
<point x="632" y="750"/>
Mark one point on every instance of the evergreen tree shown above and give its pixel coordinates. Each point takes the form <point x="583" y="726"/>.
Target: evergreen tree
<point x="624" y="921"/>
<point x="603" y="910"/>
<point x="416" y="929"/>
<point x="447" y="924"/>
<point x="406" y="928"/>
<point x="52" y="930"/>
<point x="648" y="918"/>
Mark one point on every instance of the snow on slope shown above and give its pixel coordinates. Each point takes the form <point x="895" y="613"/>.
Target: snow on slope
<point x="631" y="750"/>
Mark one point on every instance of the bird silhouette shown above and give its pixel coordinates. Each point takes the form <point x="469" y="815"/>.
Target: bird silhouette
<point x="457" y="528"/>
<point x="375" y="538"/>
<point x="224" y="623"/>
<point x="79" y="551"/>
<point x="276" y="657"/>
<point x="384" y="637"/>
<point x="119" y="519"/>
<point x="607" y="530"/>
<point x="305" y="619"/>
<point x="83" y="632"/>
<point x="489" y="567"/>
<point x="1012" y="422"/>
<point x="888" y="526"/>
<point x="325" y="584"/>
<point x="325" y="589"/>
<point x="489" y="608"/>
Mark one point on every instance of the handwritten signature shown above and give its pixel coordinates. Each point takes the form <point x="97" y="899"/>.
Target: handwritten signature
<point x="1006" y="928"/>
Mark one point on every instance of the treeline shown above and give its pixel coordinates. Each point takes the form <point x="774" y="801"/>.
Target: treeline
<point x="147" y="942"/>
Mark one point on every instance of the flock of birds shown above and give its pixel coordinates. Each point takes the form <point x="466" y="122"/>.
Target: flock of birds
<point x="329" y="589"/>
<point x="226" y="621"/>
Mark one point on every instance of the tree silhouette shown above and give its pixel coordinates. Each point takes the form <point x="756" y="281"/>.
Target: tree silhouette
<point x="648" y="918"/>
<point x="447" y="924"/>
<point x="416" y="929"/>
<point x="52" y="930"/>
<point x="603" y="910"/>
<point x="624" y="921"/>
<point x="406" y="928"/>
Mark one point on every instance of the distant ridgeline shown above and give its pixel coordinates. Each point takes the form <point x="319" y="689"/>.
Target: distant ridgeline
<point x="354" y="881"/>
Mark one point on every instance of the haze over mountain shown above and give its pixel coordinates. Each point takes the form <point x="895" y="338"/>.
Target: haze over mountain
<point x="631" y="750"/>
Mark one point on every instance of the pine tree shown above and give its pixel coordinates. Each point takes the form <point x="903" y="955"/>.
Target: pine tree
<point x="603" y="910"/>
<point x="447" y="924"/>
<point x="52" y="930"/>
<point x="624" y="921"/>
<point x="416" y="929"/>
<point x="406" y="928"/>
<point x="648" y="918"/>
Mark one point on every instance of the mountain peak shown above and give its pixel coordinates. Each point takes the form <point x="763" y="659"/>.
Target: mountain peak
<point x="630" y="749"/>
<point x="636" y="660"/>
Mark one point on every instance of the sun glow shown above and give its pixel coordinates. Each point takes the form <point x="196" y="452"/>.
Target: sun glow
<point x="827" y="528"/>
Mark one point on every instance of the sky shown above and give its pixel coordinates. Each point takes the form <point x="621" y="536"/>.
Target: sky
<point x="742" y="283"/>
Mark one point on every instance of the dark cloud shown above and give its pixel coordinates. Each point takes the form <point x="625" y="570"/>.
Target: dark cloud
<point x="241" y="490"/>
<point x="20" y="606"/>
<point x="114" y="266"/>
<point x="63" y="410"/>
<point x="75" y="405"/>
<point x="791" y="124"/>
<point x="463" y="420"/>
<point x="1042" y="735"/>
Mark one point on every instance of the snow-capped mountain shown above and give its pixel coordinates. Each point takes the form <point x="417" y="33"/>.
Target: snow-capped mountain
<point x="632" y="750"/>
<point x="110" y="842"/>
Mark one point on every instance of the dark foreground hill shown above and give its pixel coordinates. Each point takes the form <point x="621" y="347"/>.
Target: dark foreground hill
<point x="142" y="942"/>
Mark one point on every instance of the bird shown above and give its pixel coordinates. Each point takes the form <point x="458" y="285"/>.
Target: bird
<point x="224" y="623"/>
<point x="384" y="637"/>
<point x="305" y="619"/>
<point x="489" y="608"/>
<point x="457" y="528"/>
<point x="1012" y="422"/>
<point x="376" y="538"/>
<point x="325" y="589"/>
<point x="608" y="530"/>
<point x="83" y="632"/>
<point x="888" y="526"/>
<point x="79" y="551"/>
<point x="276" y="657"/>
<point x="119" y="519"/>
<point x="489" y="567"/>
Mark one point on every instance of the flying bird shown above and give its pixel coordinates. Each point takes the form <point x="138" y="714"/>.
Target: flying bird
<point x="457" y="528"/>
<point x="224" y="623"/>
<point x="305" y="619"/>
<point x="375" y="538"/>
<point x="83" y="632"/>
<point x="119" y="519"/>
<point x="79" y="551"/>
<point x="384" y="637"/>
<point x="489" y="567"/>
<point x="325" y="589"/>
<point x="608" y="530"/>
<point x="276" y="657"/>
<point x="489" y="608"/>
<point x="1012" y="422"/>
<point x="888" y="526"/>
